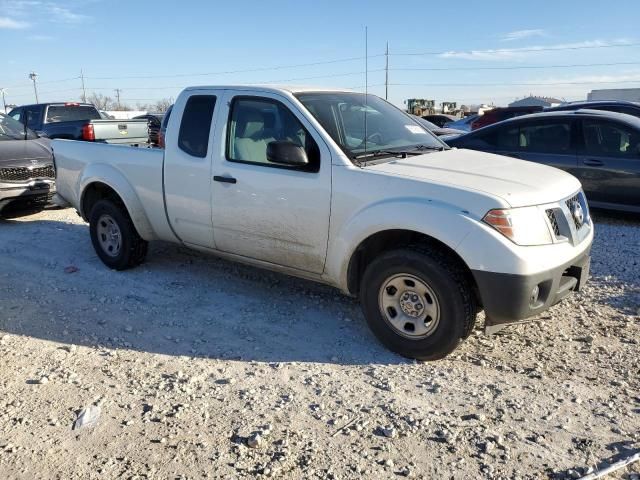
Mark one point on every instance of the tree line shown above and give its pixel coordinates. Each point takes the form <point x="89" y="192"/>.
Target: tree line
<point x="105" y="102"/>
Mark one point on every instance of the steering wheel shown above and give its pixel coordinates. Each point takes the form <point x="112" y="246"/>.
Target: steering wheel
<point x="375" y="138"/>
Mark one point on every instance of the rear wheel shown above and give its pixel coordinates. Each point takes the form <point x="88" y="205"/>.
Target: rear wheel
<point x="418" y="303"/>
<point x="114" y="237"/>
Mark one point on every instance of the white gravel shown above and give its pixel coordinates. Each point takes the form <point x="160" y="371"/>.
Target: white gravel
<point x="207" y="369"/>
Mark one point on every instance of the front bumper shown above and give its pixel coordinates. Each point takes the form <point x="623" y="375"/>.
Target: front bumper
<point x="509" y="298"/>
<point x="25" y="197"/>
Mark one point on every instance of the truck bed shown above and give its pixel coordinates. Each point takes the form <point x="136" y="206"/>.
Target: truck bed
<point x="136" y="171"/>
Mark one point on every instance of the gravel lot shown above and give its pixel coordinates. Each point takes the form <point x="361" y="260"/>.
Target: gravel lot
<point x="206" y="369"/>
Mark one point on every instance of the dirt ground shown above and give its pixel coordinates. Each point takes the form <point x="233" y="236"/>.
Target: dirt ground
<point x="206" y="369"/>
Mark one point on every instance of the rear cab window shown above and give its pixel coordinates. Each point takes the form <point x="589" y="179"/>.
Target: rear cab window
<point x="195" y="126"/>
<point x="71" y="113"/>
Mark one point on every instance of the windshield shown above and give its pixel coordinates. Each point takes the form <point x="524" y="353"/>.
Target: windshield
<point x="384" y="129"/>
<point x="11" y="129"/>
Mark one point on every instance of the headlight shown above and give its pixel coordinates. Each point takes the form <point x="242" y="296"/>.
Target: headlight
<point x="523" y="226"/>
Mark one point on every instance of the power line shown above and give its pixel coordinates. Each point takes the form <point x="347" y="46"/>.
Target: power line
<point x="47" y="92"/>
<point x="353" y="59"/>
<point x="520" y="50"/>
<point x="229" y="72"/>
<point x="520" y="67"/>
<point x="25" y="85"/>
<point x="282" y="80"/>
<point x="511" y="84"/>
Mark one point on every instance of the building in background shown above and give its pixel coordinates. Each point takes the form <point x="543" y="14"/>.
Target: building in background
<point x="625" y="94"/>
<point x="533" y="101"/>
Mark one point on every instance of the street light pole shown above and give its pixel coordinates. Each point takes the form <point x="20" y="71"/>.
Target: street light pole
<point x="4" y="103"/>
<point x="33" y="76"/>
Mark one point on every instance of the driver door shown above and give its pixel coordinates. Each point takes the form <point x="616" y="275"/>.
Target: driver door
<point x="262" y="210"/>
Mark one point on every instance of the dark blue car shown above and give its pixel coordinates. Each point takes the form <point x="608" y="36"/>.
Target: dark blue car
<point x="600" y="148"/>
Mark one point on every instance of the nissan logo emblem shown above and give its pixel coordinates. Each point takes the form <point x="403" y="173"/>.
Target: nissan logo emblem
<point x="578" y="213"/>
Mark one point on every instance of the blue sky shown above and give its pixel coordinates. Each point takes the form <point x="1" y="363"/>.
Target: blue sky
<point x="473" y="47"/>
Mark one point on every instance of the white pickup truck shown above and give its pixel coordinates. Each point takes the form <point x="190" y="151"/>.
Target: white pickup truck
<point x="341" y="188"/>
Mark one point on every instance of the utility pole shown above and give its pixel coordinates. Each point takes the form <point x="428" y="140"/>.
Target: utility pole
<point x="84" y="92"/>
<point x="117" y="90"/>
<point x="4" y="103"/>
<point x="33" y="76"/>
<point x="386" y="74"/>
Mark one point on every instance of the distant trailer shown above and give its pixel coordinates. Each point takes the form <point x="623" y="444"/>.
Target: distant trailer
<point x="624" y="94"/>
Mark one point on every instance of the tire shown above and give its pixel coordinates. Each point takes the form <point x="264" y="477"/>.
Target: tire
<point x="114" y="237"/>
<point x="433" y="302"/>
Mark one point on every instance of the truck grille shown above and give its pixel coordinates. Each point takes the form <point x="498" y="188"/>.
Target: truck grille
<point x="569" y="219"/>
<point x="551" y="215"/>
<point x="24" y="174"/>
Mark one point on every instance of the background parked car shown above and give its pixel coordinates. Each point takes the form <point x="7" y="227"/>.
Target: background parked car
<point x="602" y="149"/>
<point x="435" y="129"/>
<point x="105" y="116"/>
<point x="154" y="122"/>
<point x="79" y="121"/>
<point x="496" y="115"/>
<point x="439" y="119"/>
<point x="26" y="169"/>
<point x="463" y="124"/>
<point x="629" y="108"/>
<point x="163" y="127"/>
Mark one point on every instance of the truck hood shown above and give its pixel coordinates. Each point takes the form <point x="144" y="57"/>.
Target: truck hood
<point x="18" y="153"/>
<point x="517" y="182"/>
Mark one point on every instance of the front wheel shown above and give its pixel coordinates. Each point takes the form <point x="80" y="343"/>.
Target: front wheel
<point x="418" y="302"/>
<point x="114" y="237"/>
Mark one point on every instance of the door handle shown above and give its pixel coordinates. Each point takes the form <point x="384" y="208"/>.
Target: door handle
<point x="593" y="163"/>
<point x="219" y="178"/>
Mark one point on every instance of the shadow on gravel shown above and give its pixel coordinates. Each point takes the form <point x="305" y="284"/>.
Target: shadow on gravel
<point x="621" y="451"/>
<point x="179" y="302"/>
<point x="616" y="258"/>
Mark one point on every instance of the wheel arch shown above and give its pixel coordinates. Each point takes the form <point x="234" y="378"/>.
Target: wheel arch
<point x="391" y="239"/>
<point x="96" y="188"/>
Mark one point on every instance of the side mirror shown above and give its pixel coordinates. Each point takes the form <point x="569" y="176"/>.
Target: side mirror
<point x="287" y="153"/>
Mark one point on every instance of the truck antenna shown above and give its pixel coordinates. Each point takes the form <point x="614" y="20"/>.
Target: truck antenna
<point x="366" y="82"/>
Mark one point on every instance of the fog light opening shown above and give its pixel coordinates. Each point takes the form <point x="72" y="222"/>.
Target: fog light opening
<point x="533" y="298"/>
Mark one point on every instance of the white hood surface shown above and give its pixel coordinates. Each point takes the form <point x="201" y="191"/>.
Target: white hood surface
<point x="518" y="182"/>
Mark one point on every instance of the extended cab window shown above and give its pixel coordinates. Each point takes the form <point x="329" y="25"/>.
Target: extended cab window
<point x="196" y="125"/>
<point x="256" y="122"/>
<point x="610" y="139"/>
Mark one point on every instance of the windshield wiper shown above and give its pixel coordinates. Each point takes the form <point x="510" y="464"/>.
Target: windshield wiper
<point x="377" y="153"/>
<point x="437" y="148"/>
